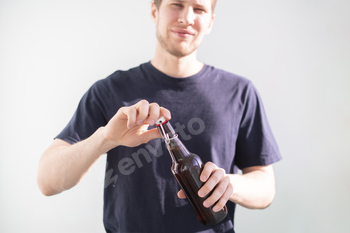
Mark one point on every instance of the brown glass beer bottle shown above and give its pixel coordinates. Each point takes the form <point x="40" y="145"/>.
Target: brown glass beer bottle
<point x="186" y="168"/>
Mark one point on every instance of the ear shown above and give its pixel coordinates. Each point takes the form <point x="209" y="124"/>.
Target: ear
<point x="210" y="24"/>
<point x="154" y="12"/>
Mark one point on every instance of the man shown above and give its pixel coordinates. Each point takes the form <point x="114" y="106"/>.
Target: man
<point x="218" y="115"/>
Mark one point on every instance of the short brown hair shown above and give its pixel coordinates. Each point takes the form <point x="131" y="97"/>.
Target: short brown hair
<point x="158" y="2"/>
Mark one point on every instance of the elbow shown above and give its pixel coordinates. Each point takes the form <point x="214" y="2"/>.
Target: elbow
<point x="268" y="200"/>
<point x="47" y="191"/>
<point x="265" y="205"/>
<point x="44" y="187"/>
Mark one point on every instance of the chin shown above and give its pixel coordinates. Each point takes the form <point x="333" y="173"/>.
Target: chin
<point x="181" y="52"/>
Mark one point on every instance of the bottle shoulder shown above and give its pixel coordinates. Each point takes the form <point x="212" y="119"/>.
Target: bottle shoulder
<point x="191" y="161"/>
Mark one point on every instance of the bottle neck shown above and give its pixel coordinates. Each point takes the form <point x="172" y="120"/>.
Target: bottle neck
<point x="176" y="149"/>
<point x="166" y="130"/>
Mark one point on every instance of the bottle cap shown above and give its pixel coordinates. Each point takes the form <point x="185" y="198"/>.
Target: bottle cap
<point x="161" y="121"/>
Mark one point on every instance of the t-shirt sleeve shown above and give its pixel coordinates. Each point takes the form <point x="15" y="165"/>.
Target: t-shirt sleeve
<point x="256" y="145"/>
<point x="89" y="116"/>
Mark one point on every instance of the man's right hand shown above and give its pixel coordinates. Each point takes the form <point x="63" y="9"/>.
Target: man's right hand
<point x="62" y="165"/>
<point x="129" y="126"/>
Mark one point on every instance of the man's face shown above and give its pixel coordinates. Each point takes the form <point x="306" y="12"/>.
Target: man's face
<point x="182" y="24"/>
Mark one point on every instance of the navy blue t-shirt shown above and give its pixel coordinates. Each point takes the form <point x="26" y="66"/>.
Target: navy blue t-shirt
<point x="217" y="115"/>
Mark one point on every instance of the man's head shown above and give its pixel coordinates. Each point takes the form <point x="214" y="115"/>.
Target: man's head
<point x="182" y="24"/>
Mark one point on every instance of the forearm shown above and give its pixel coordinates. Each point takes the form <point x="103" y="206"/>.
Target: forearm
<point x="253" y="190"/>
<point x="63" y="167"/>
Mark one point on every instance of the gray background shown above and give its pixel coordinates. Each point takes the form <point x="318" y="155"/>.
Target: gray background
<point x="296" y="52"/>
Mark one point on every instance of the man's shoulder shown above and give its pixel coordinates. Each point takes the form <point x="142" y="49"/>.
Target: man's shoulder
<point x="229" y="77"/>
<point x="122" y="74"/>
<point x="120" y="77"/>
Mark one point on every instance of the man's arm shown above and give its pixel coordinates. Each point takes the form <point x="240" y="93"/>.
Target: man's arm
<point x="63" y="165"/>
<point x="254" y="189"/>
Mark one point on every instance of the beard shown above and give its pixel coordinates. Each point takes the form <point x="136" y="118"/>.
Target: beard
<point x="175" y="48"/>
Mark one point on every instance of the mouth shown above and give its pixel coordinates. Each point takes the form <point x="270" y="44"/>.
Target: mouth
<point x="183" y="33"/>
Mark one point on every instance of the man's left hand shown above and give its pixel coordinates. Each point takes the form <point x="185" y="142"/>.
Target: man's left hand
<point x="216" y="180"/>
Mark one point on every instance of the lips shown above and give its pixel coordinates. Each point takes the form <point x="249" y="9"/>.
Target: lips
<point x="182" y="32"/>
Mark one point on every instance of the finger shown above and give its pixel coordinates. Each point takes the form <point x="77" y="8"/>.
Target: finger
<point x="224" y="198"/>
<point x="208" y="169"/>
<point x="218" y="192"/>
<point x="142" y="108"/>
<point x="130" y="113"/>
<point x="150" y="134"/>
<point x="153" y="113"/>
<point x="210" y="184"/>
<point x="181" y="194"/>
<point x="165" y="112"/>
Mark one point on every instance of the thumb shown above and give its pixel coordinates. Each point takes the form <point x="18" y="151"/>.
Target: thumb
<point x="151" y="134"/>
<point x="181" y="194"/>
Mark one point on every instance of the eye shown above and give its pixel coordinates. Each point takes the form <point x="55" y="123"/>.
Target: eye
<point x="199" y="10"/>
<point x="177" y="5"/>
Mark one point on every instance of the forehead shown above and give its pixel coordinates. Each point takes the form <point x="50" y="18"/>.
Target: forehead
<point x="195" y="2"/>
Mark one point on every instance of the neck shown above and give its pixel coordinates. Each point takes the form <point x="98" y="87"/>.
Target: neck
<point x="178" y="67"/>
<point x="177" y="150"/>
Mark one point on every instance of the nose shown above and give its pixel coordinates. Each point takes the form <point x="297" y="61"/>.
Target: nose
<point x="187" y="16"/>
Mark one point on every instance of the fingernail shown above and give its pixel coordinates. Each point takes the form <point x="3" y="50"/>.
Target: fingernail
<point x="130" y="126"/>
<point x="215" y="209"/>
<point x="201" y="193"/>
<point x="203" y="178"/>
<point x="151" y="122"/>
<point x="139" y="122"/>
<point x="206" y="204"/>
